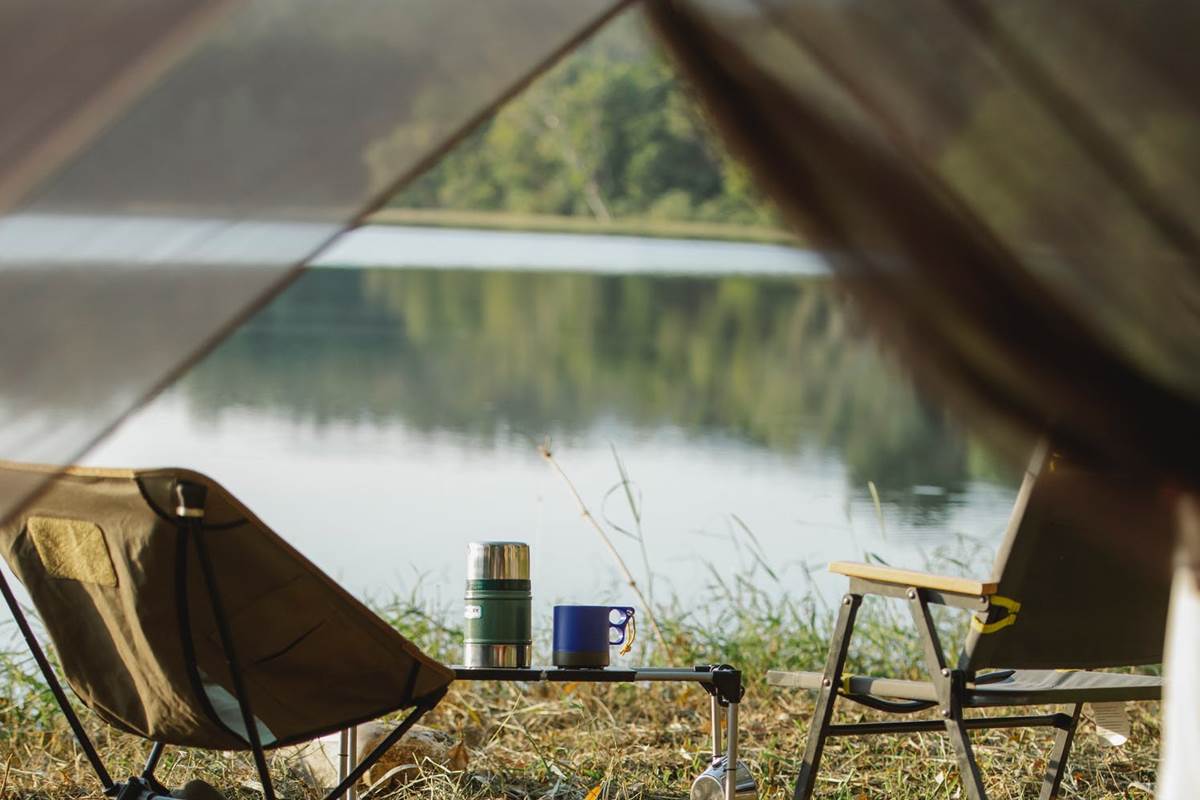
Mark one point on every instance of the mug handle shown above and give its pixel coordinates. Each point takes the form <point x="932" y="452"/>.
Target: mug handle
<point x="619" y="627"/>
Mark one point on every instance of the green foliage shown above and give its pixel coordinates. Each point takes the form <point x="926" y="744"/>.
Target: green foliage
<point x="608" y="133"/>
<point x="26" y="702"/>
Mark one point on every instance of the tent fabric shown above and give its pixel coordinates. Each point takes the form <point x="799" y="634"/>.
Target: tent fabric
<point x="1008" y="189"/>
<point x="100" y="56"/>
<point x="1086" y="558"/>
<point x="143" y="650"/>
<point x="166" y="165"/>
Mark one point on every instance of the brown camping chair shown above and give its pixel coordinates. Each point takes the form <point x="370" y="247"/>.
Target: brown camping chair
<point x="178" y="616"/>
<point x="1081" y="582"/>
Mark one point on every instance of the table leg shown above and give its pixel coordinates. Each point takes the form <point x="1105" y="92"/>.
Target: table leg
<point x="716" y="728"/>
<point x="731" y="754"/>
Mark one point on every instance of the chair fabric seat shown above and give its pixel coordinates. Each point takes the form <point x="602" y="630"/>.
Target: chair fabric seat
<point x="118" y="584"/>
<point x="1022" y="687"/>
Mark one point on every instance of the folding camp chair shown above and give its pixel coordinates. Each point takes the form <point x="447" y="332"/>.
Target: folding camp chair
<point x="1081" y="582"/>
<point x="178" y="616"/>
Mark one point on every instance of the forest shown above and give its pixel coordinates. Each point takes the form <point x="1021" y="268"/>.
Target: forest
<point x="610" y="133"/>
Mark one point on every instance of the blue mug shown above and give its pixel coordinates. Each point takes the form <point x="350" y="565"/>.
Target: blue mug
<point x="583" y="634"/>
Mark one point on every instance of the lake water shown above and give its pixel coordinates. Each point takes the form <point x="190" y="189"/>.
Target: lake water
<point x="387" y="408"/>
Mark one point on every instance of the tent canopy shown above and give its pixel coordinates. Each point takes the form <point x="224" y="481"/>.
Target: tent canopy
<point x="166" y="166"/>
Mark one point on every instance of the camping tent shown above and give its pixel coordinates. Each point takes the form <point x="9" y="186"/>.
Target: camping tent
<point x="1010" y="188"/>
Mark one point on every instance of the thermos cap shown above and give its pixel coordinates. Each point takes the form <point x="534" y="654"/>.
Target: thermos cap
<point x="497" y="560"/>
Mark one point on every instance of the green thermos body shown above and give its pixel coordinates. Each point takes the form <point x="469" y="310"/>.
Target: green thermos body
<point x="497" y="605"/>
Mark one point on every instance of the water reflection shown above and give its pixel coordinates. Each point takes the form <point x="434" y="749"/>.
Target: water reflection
<point x="770" y="362"/>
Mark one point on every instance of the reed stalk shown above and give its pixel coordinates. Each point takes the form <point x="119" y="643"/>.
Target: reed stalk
<point x="548" y="455"/>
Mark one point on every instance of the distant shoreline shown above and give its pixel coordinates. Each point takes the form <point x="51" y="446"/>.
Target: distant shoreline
<point x="551" y="223"/>
<point x="414" y="246"/>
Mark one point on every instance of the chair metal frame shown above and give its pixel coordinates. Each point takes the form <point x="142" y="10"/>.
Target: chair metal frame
<point x="952" y="688"/>
<point x="950" y="684"/>
<point x="189" y="514"/>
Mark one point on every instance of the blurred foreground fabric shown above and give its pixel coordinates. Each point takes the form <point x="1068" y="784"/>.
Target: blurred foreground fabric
<point x="166" y="166"/>
<point x="1010" y="190"/>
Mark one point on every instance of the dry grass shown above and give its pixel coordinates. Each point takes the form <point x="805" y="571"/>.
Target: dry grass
<point x="650" y="742"/>
<point x="646" y="741"/>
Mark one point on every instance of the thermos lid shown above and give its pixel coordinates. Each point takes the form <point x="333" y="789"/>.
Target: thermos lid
<point x="497" y="560"/>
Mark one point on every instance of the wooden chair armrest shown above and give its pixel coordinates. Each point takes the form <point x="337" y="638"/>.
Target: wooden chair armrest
<point x="921" y="580"/>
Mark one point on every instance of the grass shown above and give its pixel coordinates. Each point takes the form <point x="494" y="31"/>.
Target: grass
<point x="563" y="740"/>
<point x="551" y="223"/>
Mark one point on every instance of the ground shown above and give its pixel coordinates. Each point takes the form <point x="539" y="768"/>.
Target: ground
<point x="564" y="740"/>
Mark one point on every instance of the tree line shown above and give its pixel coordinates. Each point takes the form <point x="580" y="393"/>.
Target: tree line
<point x="608" y="133"/>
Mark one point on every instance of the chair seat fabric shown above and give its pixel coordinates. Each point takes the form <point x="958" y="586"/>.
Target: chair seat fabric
<point x="1023" y="687"/>
<point x="1065" y="686"/>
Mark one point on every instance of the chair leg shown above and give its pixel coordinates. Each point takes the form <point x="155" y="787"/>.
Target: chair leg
<point x="950" y="685"/>
<point x="827" y="696"/>
<point x="968" y="769"/>
<point x="152" y="764"/>
<point x="1057" y="765"/>
<point x="382" y="748"/>
<point x="225" y="634"/>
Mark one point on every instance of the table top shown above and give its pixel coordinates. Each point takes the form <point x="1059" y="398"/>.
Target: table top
<point x="719" y="680"/>
<point x="701" y="674"/>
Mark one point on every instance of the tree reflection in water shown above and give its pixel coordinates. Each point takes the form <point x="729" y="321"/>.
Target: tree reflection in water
<point x="773" y="362"/>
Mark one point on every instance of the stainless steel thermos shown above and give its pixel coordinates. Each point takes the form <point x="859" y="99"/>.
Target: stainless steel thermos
<point x="497" y="607"/>
<point x="711" y="785"/>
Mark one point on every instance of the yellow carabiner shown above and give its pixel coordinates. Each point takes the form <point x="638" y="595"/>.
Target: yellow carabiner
<point x="632" y="626"/>
<point x="1007" y="603"/>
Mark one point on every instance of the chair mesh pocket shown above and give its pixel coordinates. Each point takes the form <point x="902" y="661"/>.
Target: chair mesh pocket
<point x="72" y="549"/>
